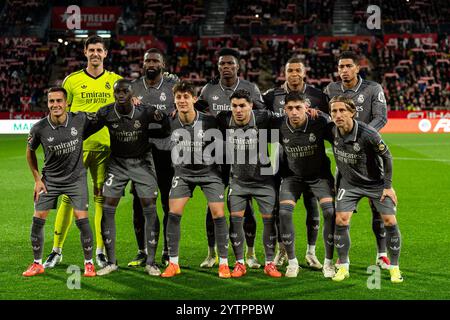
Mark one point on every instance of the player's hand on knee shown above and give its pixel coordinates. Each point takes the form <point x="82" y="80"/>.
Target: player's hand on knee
<point x="39" y="188"/>
<point x="389" y="193"/>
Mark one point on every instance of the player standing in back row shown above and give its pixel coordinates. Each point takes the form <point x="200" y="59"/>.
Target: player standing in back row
<point x="216" y="96"/>
<point x="371" y="109"/>
<point x="154" y="89"/>
<point x="88" y="90"/>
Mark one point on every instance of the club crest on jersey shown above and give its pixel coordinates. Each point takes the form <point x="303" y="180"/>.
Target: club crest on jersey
<point x="285" y="140"/>
<point x="360" y="98"/>
<point x="215" y="98"/>
<point x="162" y="97"/>
<point x="115" y="125"/>
<point x="137" y="124"/>
<point x="107" y="85"/>
<point x="381" y="146"/>
<point x="50" y="139"/>
<point x="200" y="134"/>
<point x="356" y="147"/>
<point x="73" y="131"/>
<point x="312" y="137"/>
<point x="84" y="86"/>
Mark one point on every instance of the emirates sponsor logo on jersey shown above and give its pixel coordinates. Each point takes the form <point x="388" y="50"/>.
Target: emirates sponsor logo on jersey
<point x="137" y="124"/>
<point x="73" y="131"/>
<point x="312" y="137"/>
<point x="162" y="97"/>
<point x="360" y="98"/>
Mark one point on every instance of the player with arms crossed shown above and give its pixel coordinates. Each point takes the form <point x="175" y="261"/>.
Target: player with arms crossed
<point x="155" y="89"/>
<point x="371" y="108"/>
<point x="250" y="178"/>
<point x="365" y="166"/>
<point x="61" y="136"/>
<point x="88" y="90"/>
<point x="130" y="160"/>
<point x="215" y="96"/>
<point x="194" y="168"/>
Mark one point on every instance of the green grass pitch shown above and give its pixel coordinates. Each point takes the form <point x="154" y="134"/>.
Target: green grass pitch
<point x="421" y="180"/>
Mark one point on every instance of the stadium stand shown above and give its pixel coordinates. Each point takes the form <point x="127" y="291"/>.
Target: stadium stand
<point x="415" y="73"/>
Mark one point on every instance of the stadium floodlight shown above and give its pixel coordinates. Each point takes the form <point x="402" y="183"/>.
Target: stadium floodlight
<point x="257" y="15"/>
<point x="60" y="40"/>
<point x="66" y="43"/>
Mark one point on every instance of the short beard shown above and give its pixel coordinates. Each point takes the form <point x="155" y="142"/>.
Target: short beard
<point x="152" y="75"/>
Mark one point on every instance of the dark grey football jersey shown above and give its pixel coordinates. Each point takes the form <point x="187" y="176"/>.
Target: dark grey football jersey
<point x="359" y="156"/>
<point x="160" y="97"/>
<point x="243" y="142"/>
<point x="63" y="147"/>
<point x="369" y="100"/>
<point x="274" y="98"/>
<point x="128" y="133"/>
<point x="190" y="146"/>
<point x="304" y="148"/>
<point x="218" y="96"/>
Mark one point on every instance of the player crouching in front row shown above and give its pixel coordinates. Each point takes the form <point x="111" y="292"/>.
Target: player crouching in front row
<point x="365" y="166"/>
<point x="61" y="135"/>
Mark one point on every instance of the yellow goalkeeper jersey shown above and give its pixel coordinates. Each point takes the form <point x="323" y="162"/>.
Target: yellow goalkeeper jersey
<point x="86" y="93"/>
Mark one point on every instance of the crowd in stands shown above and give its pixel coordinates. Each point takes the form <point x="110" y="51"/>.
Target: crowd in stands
<point x="414" y="75"/>
<point x="161" y="18"/>
<point x="405" y="16"/>
<point x="416" y="78"/>
<point x="278" y="16"/>
<point x="25" y="69"/>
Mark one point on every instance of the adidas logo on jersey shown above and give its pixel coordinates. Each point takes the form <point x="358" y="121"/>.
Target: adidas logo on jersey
<point x="115" y="125"/>
<point x="84" y="86"/>
<point x="285" y="140"/>
<point x="215" y="98"/>
<point x="50" y="139"/>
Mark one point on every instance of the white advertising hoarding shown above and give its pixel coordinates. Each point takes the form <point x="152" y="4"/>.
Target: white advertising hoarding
<point x="16" y="126"/>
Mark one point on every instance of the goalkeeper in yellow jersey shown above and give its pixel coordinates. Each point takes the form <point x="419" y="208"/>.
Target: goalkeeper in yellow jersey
<point x="88" y="90"/>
